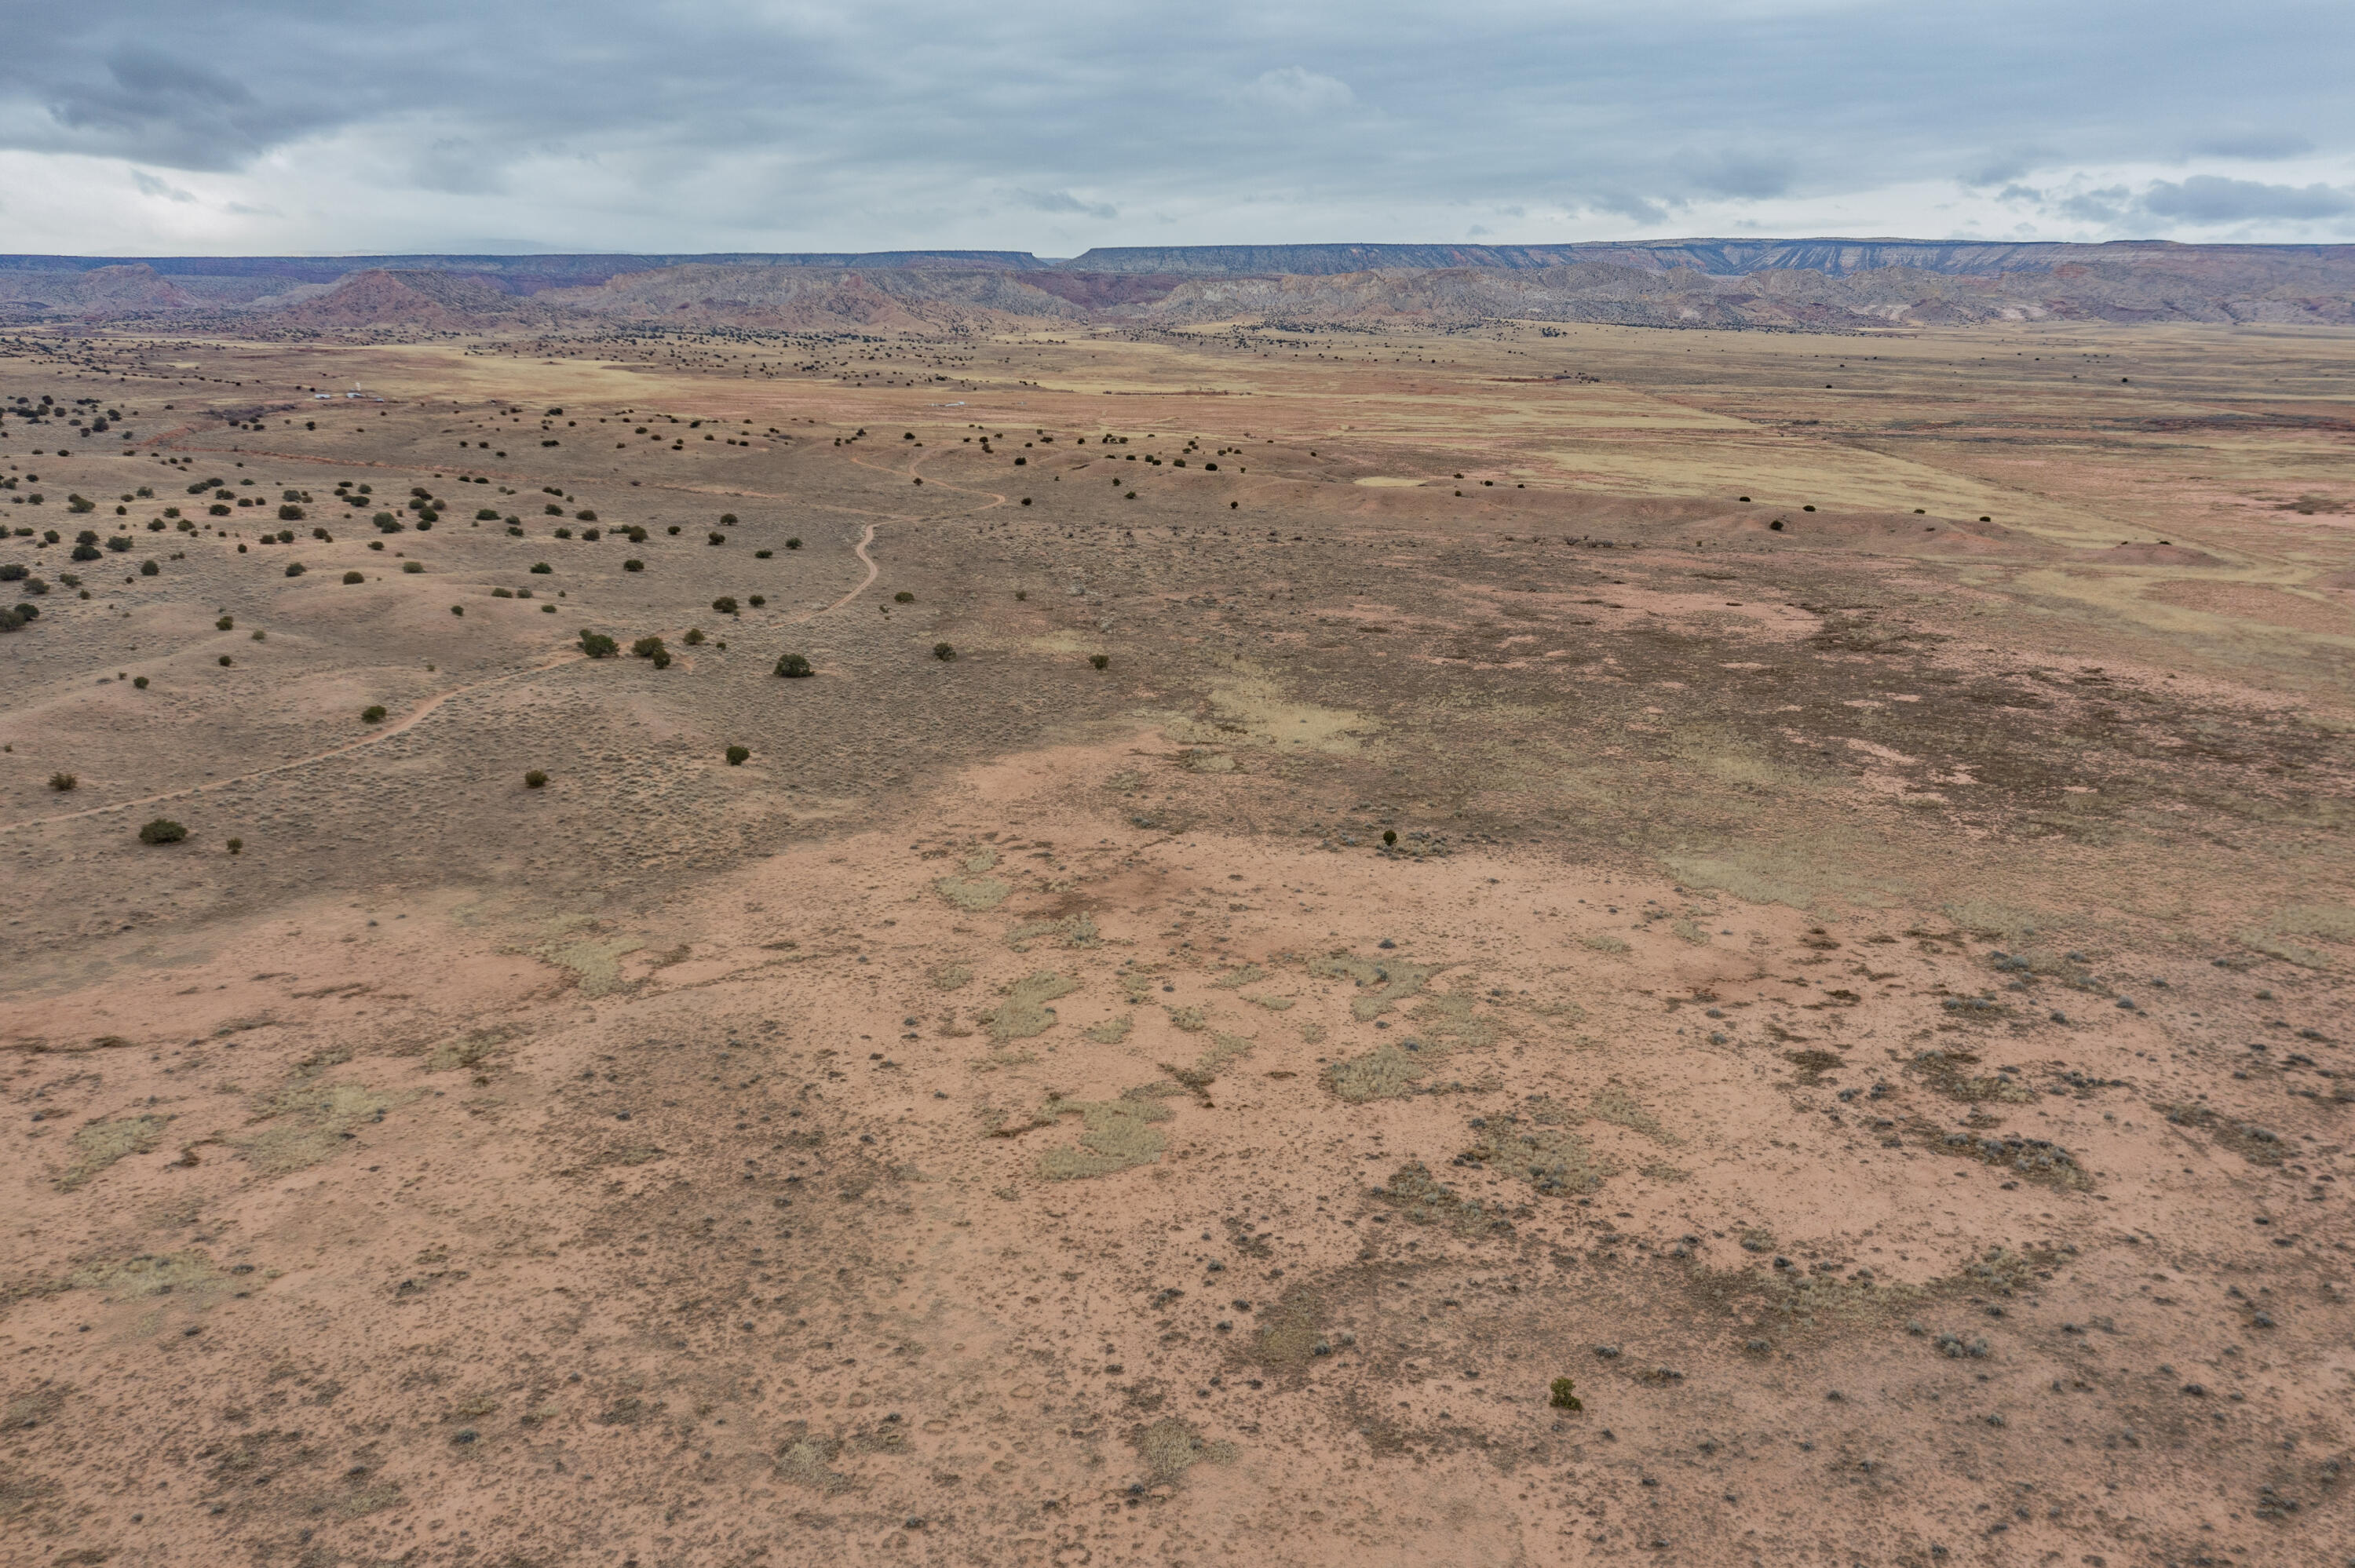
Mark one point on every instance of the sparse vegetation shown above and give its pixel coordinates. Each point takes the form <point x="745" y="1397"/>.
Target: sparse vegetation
<point x="372" y="713"/>
<point x="724" y="604"/>
<point x="944" y="652"/>
<point x="63" y="782"/>
<point x="162" y="830"/>
<point x="737" y="755"/>
<point x="350" y="577"/>
<point x="793" y="666"/>
<point x="597" y="645"/>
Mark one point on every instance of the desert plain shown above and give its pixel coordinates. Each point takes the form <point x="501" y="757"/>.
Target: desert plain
<point x="1517" y="946"/>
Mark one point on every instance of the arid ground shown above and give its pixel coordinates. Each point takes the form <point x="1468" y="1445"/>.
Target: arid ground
<point x="1523" y="945"/>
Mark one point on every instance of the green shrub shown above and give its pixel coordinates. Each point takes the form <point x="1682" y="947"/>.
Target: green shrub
<point x="261" y="636"/>
<point x="14" y="572"/>
<point x="903" y="596"/>
<point x="81" y="503"/>
<point x="757" y="601"/>
<point x="737" y="754"/>
<point x="140" y="681"/>
<point x="793" y="544"/>
<point x="943" y="653"/>
<point x="372" y="713"/>
<point x="552" y="510"/>
<point x="586" y="515"/>
<point x="534" y="779"/>
<point x="457" y="610"/>
<point x="293" y="568"/>
<point x="647" y="647"/>
<point x="225" y="661"/>
<point x="716" y="537"/>
<point x="548" y="610"/>
<point x="793" y="667"/>
<point x="413" y="567"/>
<point x="162" y="830"/>
<point x="85" y="552"/>
<point x="62" y="782"/>
<point x="149" y="570"/>
<point x="386" y="522"/>
<point x="354" y="577"/>
<point x="590" y="534"/>
<point x="120" y="544"/>
<point x="673" y="530"/>
<point x="502" y="593"/>
<point x="694" y="636"/>
<point x="763" y="554"/>
<point x="1101" y="661"/>
<point x="597" y="645"/>
<point x="1390" y="836"/>
<point x="564" y="533"/>
<point x="724" y="604"/>
<point x="543" y="569"/>
<point x="226" y="623"/>
<point x="633" y="566"/>
<point x="236" y="846"/>
<point x="1562" y="1398"/>
<point x="289" y="514"/>
<point x="486" y="515"/>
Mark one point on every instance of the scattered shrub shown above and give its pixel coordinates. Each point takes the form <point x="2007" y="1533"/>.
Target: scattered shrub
<point x="757" y="601"/>
<point x="289" y="514"/>
<point x="149" y="570"/>
<point x="590" y="534"/>
<point x="457" y="610"/>
<point x="1101" y="661"/>
<point x="728" y="519"/>
<point x="793" y="667"/>
<point x="162" y="830"/>
<point x="534" y="779"/>
<point x="120" y="544"/>
<point x="140" y="681"/>
<point x="1562" y="1398"/>
<point x="737" y="754"/>
<point x="226" y="623"/>
<point x="225" y="661"/>
<point x="793" y="544"/>
<point x="597" y="645"/>
<point x="237" y="846"/>
<point x="543" y="569"/>
<point x="564" y="533"/>
<point x="647" y="647"/>
<point x="486" y="515"/>
<point x="502" y="593"/>
<point x="14" y="572"/>
<point x="413" y="567"/>
<point x="261" y="637"/>
<point x="633" y="566"/>
<point x="293" y="568"/>
<point x="942" y="651"/>
<point x="350" y="577"/>
<point x="62" y="782"/>
<point x="85" y="552"/>
<point x="673" y="530"/>
<point x="903" y="596"/>
<point x="716" y="537"/>
<point x="81" y="503"/>
<point x="694" y="636"/>
<point x="372" y="713"/>
<point x="552" y="510"/>
<point x="586" y="515"/>
<point x="724" y="604"/>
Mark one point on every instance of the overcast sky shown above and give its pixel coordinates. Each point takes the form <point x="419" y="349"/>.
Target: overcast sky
<point x="139" y="127"/>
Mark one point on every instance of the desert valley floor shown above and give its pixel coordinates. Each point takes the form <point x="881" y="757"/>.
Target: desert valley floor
<point x="1509" y="947"/>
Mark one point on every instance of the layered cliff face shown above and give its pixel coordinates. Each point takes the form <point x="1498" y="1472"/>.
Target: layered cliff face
<point x="1834" y="285"/>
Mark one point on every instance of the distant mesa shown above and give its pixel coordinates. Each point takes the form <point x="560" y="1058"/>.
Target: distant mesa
<point x="1787" y="285"/>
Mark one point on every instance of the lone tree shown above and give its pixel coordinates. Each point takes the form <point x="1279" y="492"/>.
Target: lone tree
<point x="737" y="754"/>
<point x="597" y="645"/>
<point x="162" y="830"/>
<point x="793" y="666"/>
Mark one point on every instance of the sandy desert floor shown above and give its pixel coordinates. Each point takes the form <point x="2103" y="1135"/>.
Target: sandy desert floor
<point x="1457" y="1042"/>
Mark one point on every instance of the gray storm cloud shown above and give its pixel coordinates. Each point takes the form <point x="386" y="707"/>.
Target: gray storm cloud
<point x="701" y="124"/>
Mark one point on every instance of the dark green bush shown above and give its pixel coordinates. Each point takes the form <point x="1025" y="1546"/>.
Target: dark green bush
<point x="236" y="846"/>
<point x="724" y="604"/>
<point x="372" y="713"/>
<point x="14" y="572"/>
<point x="293" y="568"/>
<point x="728" y="519"/>
<point x="290" y="514"/>
<point x="942" y="651"/>
<point x="1101" y="661"/>
<point x="149" y="570"/>
<point x="586" y="515"/>
<point x="633" y="566"/>
<point x="162" y="830"/>
<point x="1390" y="836"/>
<point x="486" y="515"/>
<point x="543" y="569"/>
<point x="757" y="601"/>
<point x="737" y="754"/>
<point x="502" y="593"/>
<point x="350" y="577"/>
<point x="597" y="645"/>
<point x="793" y="544"/>
<point x="647" y="647"/>
<point x="694" y="636"/>
<point x="140" y="681"/>
<point x="120" y="544"/>
<point x="590" y="534"/>
<point x="716" y="537"/>
<point x="763" y="554"/>
<point x="61" y="782"/>
<point x="386" y="522"/>
<point x="793" y="667"/>
<point x="85" y="552"/>
<point x="226" y="623"/>
<point x="534" y="779"/>
<point x="903" y="596"/>
<point x="413" y="567"/>
<point x="553" y="510"/>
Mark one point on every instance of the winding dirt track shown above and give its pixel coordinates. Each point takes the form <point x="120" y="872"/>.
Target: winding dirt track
<point x="427" y="708"/>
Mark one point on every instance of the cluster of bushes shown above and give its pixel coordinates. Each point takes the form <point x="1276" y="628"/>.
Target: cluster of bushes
<point x="652" y="648"/>
<point x="18" y="615"/>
